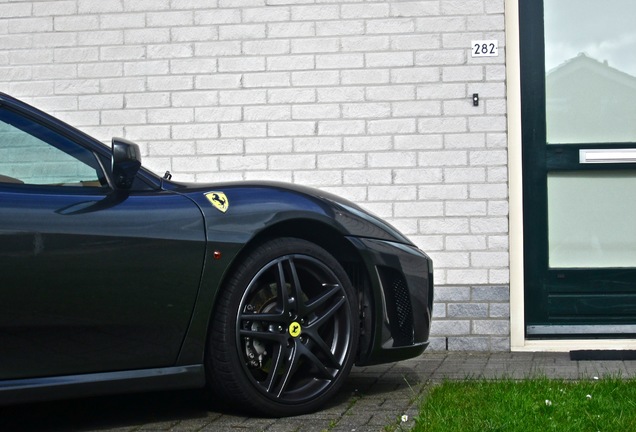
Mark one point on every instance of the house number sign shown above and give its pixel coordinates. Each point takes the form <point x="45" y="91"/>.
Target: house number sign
<point x="485" y="48"/>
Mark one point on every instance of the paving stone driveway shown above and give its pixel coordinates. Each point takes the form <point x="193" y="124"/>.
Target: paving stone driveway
<point x="374" y="398"/>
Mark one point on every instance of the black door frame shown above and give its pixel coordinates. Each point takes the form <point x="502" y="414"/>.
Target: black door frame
<point x="537" y="160"/>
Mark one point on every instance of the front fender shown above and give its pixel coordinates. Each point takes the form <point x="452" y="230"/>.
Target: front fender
<point x="251" y="209"/>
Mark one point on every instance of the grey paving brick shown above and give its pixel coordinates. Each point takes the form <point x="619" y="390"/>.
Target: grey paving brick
<point x="372" y="399"/>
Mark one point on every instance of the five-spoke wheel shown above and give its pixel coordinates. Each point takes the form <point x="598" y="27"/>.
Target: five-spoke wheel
<point x="287" y="331"/>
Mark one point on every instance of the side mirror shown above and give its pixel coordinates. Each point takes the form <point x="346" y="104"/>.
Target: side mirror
<point x="126" y="160"/>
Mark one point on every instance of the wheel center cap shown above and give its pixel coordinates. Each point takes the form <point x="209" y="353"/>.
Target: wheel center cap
<point x="295" y="329"/>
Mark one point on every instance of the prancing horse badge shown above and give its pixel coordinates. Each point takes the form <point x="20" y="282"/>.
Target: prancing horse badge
<point x="218" y="200"/>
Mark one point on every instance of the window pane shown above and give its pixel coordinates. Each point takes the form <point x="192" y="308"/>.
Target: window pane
<point x="591" y="219"/>
<point x="29" y="159"/>
<point x="590" y="58"/>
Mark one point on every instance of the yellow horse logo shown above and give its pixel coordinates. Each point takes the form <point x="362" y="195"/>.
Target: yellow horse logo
<point x="295" y="329"/>
<point x="218" y="200"/>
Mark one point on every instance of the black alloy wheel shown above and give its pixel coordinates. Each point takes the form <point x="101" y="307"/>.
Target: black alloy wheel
<point x="285" y="332"/>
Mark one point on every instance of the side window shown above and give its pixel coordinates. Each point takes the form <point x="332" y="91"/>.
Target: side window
<point x="34" y="155"/>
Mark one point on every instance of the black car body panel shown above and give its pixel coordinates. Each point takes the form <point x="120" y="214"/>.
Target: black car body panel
<point x="115" y="286"/>
<point x="81" y="282"/>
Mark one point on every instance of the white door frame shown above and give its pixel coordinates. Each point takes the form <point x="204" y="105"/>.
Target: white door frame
<point x="518" y="342"/>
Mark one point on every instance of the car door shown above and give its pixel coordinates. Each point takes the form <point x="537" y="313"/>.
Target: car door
<point x="93" y="279"/>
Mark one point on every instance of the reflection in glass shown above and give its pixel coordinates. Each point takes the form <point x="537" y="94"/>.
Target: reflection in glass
<point x="591" y="219"/>
<point x="590" y="58"/>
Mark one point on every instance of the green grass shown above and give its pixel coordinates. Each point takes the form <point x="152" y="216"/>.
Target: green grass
<point x="540" y="405"/>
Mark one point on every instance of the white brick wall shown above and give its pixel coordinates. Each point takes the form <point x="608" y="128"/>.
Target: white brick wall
<point x="368" y="99"/>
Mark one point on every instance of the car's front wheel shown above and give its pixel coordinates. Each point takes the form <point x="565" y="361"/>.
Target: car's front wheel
<point x="285" y="332"/>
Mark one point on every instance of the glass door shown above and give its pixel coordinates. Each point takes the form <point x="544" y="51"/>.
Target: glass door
<point x="579" y="160"/>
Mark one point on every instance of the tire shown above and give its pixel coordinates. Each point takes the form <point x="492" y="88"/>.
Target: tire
<point x="284" y="335"/>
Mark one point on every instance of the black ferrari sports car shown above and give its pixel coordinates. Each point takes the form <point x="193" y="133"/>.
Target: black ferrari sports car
<point x="117" y="280"/>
